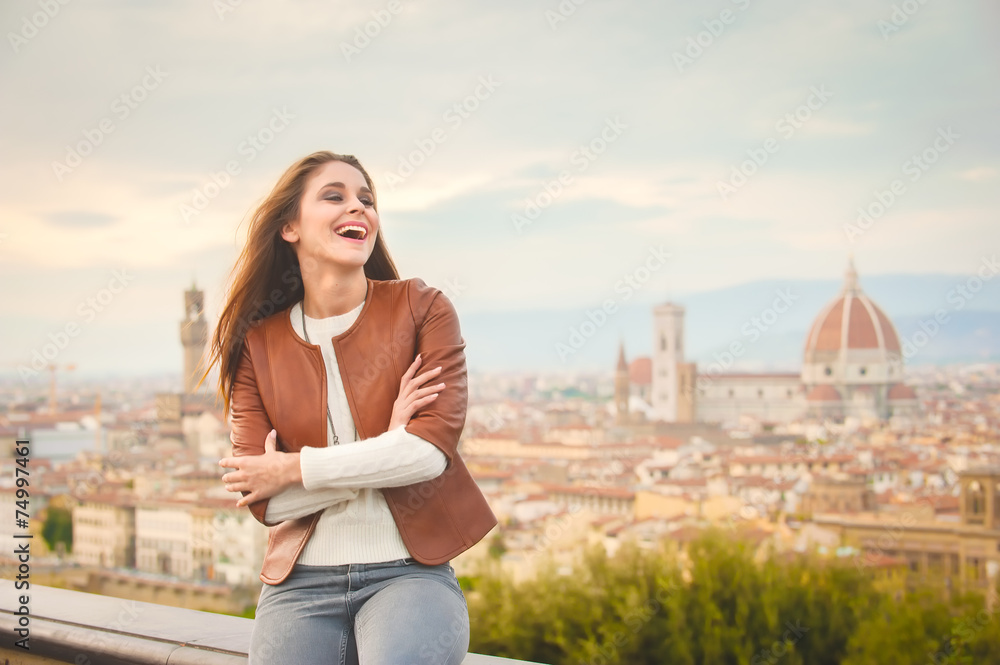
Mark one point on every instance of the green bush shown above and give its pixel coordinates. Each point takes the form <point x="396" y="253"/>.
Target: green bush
<point x="58" y="528"/>
<point x="638" y="608"/>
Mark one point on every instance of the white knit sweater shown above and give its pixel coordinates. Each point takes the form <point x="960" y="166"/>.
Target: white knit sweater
<point x="344" y="480"/>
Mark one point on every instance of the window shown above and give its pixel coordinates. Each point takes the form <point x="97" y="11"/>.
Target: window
<point x="730" y="392"/>
<point x="663" y="342"/>
<point x="976" y="504"/>
<point x="862" y="371"/>
<point x="760" y="392"/>
<point x="972" y="569"/>
<point x="827" y="371"/>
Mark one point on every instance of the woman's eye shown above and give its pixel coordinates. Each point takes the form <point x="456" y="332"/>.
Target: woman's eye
<point x="336" y="197"/>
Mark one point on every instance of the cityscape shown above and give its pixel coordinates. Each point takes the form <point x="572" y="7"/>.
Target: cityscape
<point x="726" y="280"/>
<point x="856" y="457"/>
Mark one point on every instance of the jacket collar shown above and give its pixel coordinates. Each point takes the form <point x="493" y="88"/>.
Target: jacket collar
<point x="286" y="315"/>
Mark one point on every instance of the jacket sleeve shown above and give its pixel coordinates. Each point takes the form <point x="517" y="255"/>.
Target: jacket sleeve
<point x="250" y="421"/>
<point x="439" y="343"/>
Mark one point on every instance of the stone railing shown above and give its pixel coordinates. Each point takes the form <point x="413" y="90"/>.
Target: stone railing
<point x="88" y="629"/>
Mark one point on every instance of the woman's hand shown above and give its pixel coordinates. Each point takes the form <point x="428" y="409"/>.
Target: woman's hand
<point x="262" y="475"/>
<point x="411" y="396"/>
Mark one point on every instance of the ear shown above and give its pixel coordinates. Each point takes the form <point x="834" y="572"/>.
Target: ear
<point x="290" y="232"/>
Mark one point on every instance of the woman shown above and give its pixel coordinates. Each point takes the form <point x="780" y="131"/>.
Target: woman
<point x="338" y="443"/>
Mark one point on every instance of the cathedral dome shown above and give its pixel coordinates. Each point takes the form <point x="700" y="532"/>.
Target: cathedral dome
<point x="640" y="371"/>
<point x="852" y="341"/>
<point x="852" y="321"/>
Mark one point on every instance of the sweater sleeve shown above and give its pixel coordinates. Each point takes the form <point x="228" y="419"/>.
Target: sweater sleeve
<point x="392" y="459"/>
<point x="296" y="501"/>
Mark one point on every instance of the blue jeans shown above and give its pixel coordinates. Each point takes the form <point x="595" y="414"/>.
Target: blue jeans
<point x="399" y="612"/>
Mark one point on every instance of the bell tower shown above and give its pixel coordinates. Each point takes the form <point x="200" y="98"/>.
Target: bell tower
<point x="668" y="356"/>
<point x="194" y="335"/>
<point x="622" y="388"/>
<point x="980" y="497"/>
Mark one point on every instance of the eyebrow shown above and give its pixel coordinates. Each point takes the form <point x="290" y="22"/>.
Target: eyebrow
<point x="342" y="186"/>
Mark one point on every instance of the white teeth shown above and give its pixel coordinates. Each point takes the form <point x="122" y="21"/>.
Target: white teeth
<point x="344" y="229"/>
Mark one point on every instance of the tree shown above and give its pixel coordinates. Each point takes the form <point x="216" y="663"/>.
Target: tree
<point x="716" y="605"/>
<point x="497" y="545"/>
<point x="58" y="528"/>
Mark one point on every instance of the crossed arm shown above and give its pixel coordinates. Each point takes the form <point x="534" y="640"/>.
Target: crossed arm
<point x="302" y="483"/>
<point x="335" y="474"/>
<point x="305" y="482"/>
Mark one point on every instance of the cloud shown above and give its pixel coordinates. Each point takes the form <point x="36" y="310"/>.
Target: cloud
<point x="558" y="86"/>
<point x="980" y="174"/>
<point x="79" y="219"/>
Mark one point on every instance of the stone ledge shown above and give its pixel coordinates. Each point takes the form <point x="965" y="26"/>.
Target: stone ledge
<point x="89" y="629"/>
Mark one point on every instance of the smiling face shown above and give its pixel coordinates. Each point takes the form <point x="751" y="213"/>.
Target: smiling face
<point x="337" y="220"/>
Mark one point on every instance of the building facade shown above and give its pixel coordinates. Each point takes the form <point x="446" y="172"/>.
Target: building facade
<point x="852" y="367"/>
<point x="960" y="555"/>
<point x="104" y="532"/>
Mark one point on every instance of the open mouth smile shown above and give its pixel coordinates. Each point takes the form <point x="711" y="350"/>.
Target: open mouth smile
<point x="355" y="232"/>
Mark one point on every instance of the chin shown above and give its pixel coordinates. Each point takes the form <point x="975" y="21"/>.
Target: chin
<point x="356" y="261"/>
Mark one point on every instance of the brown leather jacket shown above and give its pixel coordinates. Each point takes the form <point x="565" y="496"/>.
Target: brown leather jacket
<point x="281" y="384"/>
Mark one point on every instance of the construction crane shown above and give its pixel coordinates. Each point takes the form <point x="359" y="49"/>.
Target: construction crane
<point x="97" y="430"/>
<point x="52" y="369"/>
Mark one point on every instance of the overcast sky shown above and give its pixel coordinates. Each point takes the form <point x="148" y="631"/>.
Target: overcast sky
<point x="740" y="138"/>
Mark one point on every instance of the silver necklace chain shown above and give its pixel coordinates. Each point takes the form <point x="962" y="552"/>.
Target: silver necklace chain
<point x="336" y="439"/>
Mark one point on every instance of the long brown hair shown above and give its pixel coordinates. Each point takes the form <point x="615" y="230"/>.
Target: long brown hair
<point x="267" y="277"/>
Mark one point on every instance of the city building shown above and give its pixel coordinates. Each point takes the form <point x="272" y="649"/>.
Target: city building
<point x="194" y="336"/>
<point x="173" y="538"/>
<point x="960" y="554"/>
<point x="852" y="366"/>
<point x="104" y="531"/>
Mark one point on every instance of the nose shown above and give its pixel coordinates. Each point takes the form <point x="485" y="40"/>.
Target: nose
<point x="356" y="205"/>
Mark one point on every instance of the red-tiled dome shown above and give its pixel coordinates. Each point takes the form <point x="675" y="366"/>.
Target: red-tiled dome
<point x="851" y="321"/>
<point x="640" y="371"/>
<point x="899" y="391"/>
<point x="823" y="393"/>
